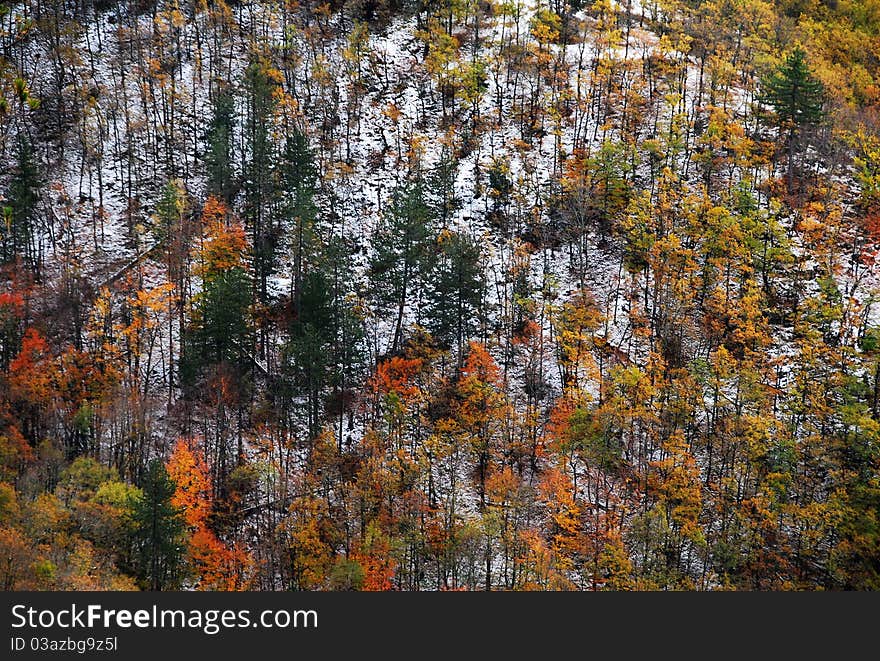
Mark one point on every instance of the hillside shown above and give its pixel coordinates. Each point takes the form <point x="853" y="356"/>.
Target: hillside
<point x="446" y="295"/>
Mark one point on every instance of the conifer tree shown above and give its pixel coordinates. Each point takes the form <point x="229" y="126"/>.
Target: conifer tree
<point x="797" y="99"/>
<point x="404" y="253"/>
<point x="455" y="290"/>
<point x="17" y="228"/>
<point x="220" y="154"/>
<point x="158" y="535"/>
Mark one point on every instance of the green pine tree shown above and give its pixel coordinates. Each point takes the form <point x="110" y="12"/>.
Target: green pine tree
<point x="797" y="99"/>
<point x="299" y="181"/>
<point x="17" y="228"/>
<point x="158" y="533"/>
<point x="455" y="292"/>
<point x="220" y="154"/>
<point x="260" y="181"/>
<point x="404" y="253"/>
<point x="324" y="350"/>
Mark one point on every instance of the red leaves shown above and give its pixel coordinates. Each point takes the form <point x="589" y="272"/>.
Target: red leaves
<point x="31" y="372"/>
<point x="11" y="303"/>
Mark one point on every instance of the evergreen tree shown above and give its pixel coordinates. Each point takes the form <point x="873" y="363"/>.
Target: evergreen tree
<point x="220" y="329"/>
<point x="347" y="336"/>
<point x="441" y="187"/>
<point x="306" y="353"/>
<point x="220" y="154"/>
<point x="455" y="291"/>
<point x="17" y="228"/>
<point x="158" y="532"/>
<point x="404" y="253"/>
<point x="223" y="311"/>
<point x="298" y="182"/>
<point x="797" y="99"/>
<point x="260" y="190"/>
<point x="324" y="349"/>
<point x="169" y="211"/>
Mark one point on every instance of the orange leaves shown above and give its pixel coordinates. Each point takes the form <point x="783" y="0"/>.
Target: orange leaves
<point x="556" y="491"/>
<point x="481" y="398"/>
<point x="481" y="366"/>
<point x="397" y="375"/>
<point x="34" y="350"/>
<point x="539" y="566"/>
<point x="31" y="372"/>
<point x="218" y="566"/>
<point x="559" y="425"/>
<point x="225" y="244"/>
<point x="871" y="223"/>
<point x="502" y="486"/>
<point x="392" y="112"/>
<point x="146" y="310"/>
<point x="378" y="566"/>
<point x="193" y="486"/>
<point x="14" y="448"/>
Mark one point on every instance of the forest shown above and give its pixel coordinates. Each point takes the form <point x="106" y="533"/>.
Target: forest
<point x="454" y="295"/>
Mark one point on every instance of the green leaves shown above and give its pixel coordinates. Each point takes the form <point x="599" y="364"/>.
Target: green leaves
<point x="158" y="536"/>
<point x="796" y="96"/>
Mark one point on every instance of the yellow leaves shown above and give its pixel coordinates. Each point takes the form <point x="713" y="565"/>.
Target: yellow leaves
<point x="321" y="73"/>
<point x="556" y="489"/>
<point x="675" y="482"/>
<point x="442" y="49"/>
<point x="311" y="556"/>
<point x="575" y="324"/>
<point x="358" y="43"/>
<point x="392" y="112"/>
<point x="339" y="170"/>
<point x="146" y="306"/>
<point x="546" y="27"/>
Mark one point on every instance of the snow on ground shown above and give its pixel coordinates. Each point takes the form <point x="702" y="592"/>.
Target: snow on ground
<point x="399" y="125"/>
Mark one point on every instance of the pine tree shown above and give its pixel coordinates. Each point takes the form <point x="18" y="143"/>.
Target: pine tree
<point x="17" y="228"/>
<point x="306" y="354"/>
<point x="404" y="253"/>
<point x="797" y="99"/>
<point x="260" y="183"/>
<point x="220" y="154"/>
<point x="455" y="292"/>
<point x="325" y="345"/>
<point x="299" y="178"/>
<point x="158" y="534"/>
<point x="220" y="329"/>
